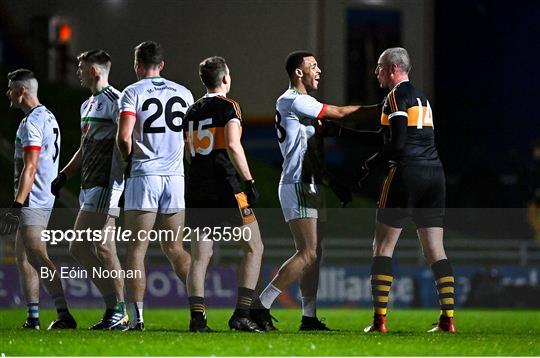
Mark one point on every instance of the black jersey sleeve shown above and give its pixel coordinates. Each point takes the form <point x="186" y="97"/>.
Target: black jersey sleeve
<point x="398" y="101"/>
<point x="232" y="110"/>
<point x="398" y="122"/>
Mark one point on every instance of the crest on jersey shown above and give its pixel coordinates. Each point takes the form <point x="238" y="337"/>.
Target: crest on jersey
<point x="158" y="83"/>
<point x="99" y="107"/>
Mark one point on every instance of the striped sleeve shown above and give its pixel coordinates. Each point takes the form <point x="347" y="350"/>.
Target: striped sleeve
<point x="234" y="110"/>
<point x="397" y="103"/>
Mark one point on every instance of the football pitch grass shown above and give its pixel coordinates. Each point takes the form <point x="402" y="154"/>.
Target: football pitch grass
<point x="480" y="333"/>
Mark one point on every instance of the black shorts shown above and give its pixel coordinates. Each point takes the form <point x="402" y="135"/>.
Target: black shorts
<point x="417" y="192"/>
<point x="220" y="211"/>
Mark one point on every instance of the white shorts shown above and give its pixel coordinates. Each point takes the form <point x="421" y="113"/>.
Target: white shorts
<point x="35" y="217"/>
<point x="154" y="193"/>
<point x="302" y="200"/>
<point x="100" y="200"/>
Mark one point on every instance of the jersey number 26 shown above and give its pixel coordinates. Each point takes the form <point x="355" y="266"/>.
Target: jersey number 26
<point x="170" y="115"/>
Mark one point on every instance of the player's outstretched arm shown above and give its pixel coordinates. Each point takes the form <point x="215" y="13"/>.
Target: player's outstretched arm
<point x="337" y="112"/>
<point x="363" y="119"/>
<point x="123" y="135"/>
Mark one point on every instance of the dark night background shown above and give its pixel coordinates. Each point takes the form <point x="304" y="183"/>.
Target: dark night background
<point x="484" y="58"/>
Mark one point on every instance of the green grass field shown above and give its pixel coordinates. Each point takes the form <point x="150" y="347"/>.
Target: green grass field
<point x="480" y="333"/>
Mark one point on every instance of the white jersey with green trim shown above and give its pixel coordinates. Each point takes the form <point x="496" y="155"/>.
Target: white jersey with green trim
<point x="38" y="131"/>
<point x="159" y="106"/>
<point x="295" y="114"/>
<point x="101" y="162"/>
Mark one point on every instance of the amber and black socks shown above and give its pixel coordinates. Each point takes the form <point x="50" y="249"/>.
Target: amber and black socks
<point x="444" y="279"/>
<point x="381" y="281"/>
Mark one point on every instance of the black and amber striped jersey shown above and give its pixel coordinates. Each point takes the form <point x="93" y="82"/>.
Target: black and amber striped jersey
<point x="407" y="122"/>
<point x="204" y="124"/>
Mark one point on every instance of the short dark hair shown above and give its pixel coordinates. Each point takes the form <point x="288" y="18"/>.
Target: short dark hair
<point x="294" y="60"/>
<point x="99" y="57"/>
<point x="150" y="53"/>
<point x="211" y="70"/>
<point x="22" y="74"/>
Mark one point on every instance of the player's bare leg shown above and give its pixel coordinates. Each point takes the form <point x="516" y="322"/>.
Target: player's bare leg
<point x="101" y="256"/>
<point x="201" y="253"/>
<point x="137" y="221"/>
<point x="36" y="252"/>
<point x="29" y="280"/>
<point x="106" y="253"/>
<point x="385" y="239"/>
<point x="248" y="275"/>
<point x="85" y="253"/>
<point x="431" y="239"/>
<point x="309" y="284"/>
<point x="304" y="233"/>
<point x="173" y="249"/>
<point x="384" y="242"/>
<point x="250" y="266"/>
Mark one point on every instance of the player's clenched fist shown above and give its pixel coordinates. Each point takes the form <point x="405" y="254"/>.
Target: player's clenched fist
<point x="9" y="219"/>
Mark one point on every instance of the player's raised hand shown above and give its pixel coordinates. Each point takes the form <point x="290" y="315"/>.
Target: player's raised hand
<point x="342" y="192"/>
<point x="9" y="219"/>
<point x="251" y="192"/>
<point x="58" y="183"/>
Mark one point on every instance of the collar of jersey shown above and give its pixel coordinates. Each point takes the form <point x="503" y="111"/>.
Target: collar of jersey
<point x="152" y="78"/>
<point x="32" y="109"/>
<point x="101" y="91"/>
<point x="214" y="94"/>
<point x="294" y="90"/>
<point x="399" y="84"/>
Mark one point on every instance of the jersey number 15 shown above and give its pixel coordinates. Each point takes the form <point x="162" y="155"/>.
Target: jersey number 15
<point x="201" y="140"/>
